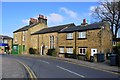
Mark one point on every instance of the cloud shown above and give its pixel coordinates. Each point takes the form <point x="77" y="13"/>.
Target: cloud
<point x="69" y="12"/>
<point x="25" y="21"/>
<point x="101" y="7"/>
<point x="55" y="18"/>
<point x="92" y="8"/>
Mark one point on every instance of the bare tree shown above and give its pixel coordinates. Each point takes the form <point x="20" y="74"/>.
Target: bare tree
<point x="109" y="11"/>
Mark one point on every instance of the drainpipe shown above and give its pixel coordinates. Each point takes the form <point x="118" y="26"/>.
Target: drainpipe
<point x="38" y="44"/>
<point x="75" y="44"/>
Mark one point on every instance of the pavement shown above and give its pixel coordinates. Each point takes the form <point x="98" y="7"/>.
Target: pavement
<point x="12" y="69"/>
<point x="104" y="66"/>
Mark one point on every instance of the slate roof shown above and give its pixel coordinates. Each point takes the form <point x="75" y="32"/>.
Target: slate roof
<point x="26" y="27"/>
<point x="54" y="29"/>
<point x="5" y="37"/>
<point x="83" y="28"/>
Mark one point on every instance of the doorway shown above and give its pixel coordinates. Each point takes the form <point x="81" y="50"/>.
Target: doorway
<point x="93" y="51"/>
<point x="42" y="50"/>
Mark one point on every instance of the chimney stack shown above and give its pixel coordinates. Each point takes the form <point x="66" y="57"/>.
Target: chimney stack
<point x="84" y="22"/>
<point x="32" y="21"/>
<point x="42" y="19"/>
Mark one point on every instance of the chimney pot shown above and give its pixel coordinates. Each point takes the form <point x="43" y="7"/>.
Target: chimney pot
<point x="32" y="20"/>
<point x="42" y="19"/>
<point x="41" y="16"/>
<point x="84" y="22"/>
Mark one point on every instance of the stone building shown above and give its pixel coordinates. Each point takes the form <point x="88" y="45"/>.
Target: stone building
<point x="85" y="39"/>
<point x="5" y="44"/>
<point x="47" y="38"/>
<point x="67" y="39"/>
<point x="22" y="36"/>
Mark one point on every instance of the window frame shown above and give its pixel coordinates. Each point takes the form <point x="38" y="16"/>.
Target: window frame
<point x="16" y="38"/>
<point x="5" y="41"/>
<point x="82" y="50"/>
<point x="69" y="51"/>
<point x="51" y="42"/>
<point x="82" y="35"/>
<point x="69" y="36"/>
<point x="61" y="48"/>
<point x="23" y="36"/>
<point x="114" y="43"/>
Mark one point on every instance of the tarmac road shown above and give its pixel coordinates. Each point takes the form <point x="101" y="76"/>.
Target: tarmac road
<point x="53" y="68"/>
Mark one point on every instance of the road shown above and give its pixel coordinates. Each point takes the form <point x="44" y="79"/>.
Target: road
<point x="53" y="68"/>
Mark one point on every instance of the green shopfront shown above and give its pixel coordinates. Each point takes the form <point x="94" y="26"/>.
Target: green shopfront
<point x="18" y="49"/>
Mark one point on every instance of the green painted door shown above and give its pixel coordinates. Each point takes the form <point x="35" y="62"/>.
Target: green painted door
<point x="15" y="49"/>
<point x="23" y="48"/>
<point x="20" y="49"/>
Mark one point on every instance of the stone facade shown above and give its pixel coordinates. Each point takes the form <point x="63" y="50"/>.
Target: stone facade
<point x="96" y="39"/>
<point x="47" y="39"/>
<point x="22" y="37"/>
<point x="86" y="39"/>
<point x="44" y="40"/>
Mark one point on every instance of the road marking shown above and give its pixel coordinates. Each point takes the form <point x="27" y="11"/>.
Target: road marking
<point x="71" y="71"/>
<point x="44" y="61"/>
<point x="31" y="73"/>
<point x="87" y="66"/>
<point x="94" y="68"/>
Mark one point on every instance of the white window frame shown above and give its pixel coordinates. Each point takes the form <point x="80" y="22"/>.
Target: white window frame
<point x="5" y="41"/>
<point x="61" y="49"/>
<point x="70" y="50"/>
<point x="82" y="35"/>
<point x="16" y="38"/>
<point x="83" y="51"/>
<point x="69" y="35"/>
<point x="23" y="38"/>
<point x="52" y="42"/>
<point x="114" y="43"/>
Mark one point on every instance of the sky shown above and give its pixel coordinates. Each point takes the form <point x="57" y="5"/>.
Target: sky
<point x="17" y="14"/>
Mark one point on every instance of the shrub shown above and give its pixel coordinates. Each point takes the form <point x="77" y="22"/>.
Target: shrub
<point x="31" y="51"/>
<point x="52" y="52"/>
<point x="87" y="55"/>
<point x="81" y="57"/>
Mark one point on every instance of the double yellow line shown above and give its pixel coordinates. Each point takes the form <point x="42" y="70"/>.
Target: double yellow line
<point x="32" y="76"/>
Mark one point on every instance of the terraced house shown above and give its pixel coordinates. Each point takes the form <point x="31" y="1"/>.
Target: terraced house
<point x="47" y="38"/>
<point x="22" y="36"/>
<point x="86" y="39"/>
<point x="67" y="40"/>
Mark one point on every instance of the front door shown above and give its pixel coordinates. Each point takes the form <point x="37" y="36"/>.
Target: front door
<point x="93" y="51"/>
<point x="42" y="50"/>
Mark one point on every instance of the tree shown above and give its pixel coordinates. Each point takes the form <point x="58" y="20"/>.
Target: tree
<point x="109" y="11"/>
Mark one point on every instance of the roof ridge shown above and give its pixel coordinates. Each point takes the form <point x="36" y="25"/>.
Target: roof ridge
<point x="54" y="29"/>
<point x="64" y="24"/>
